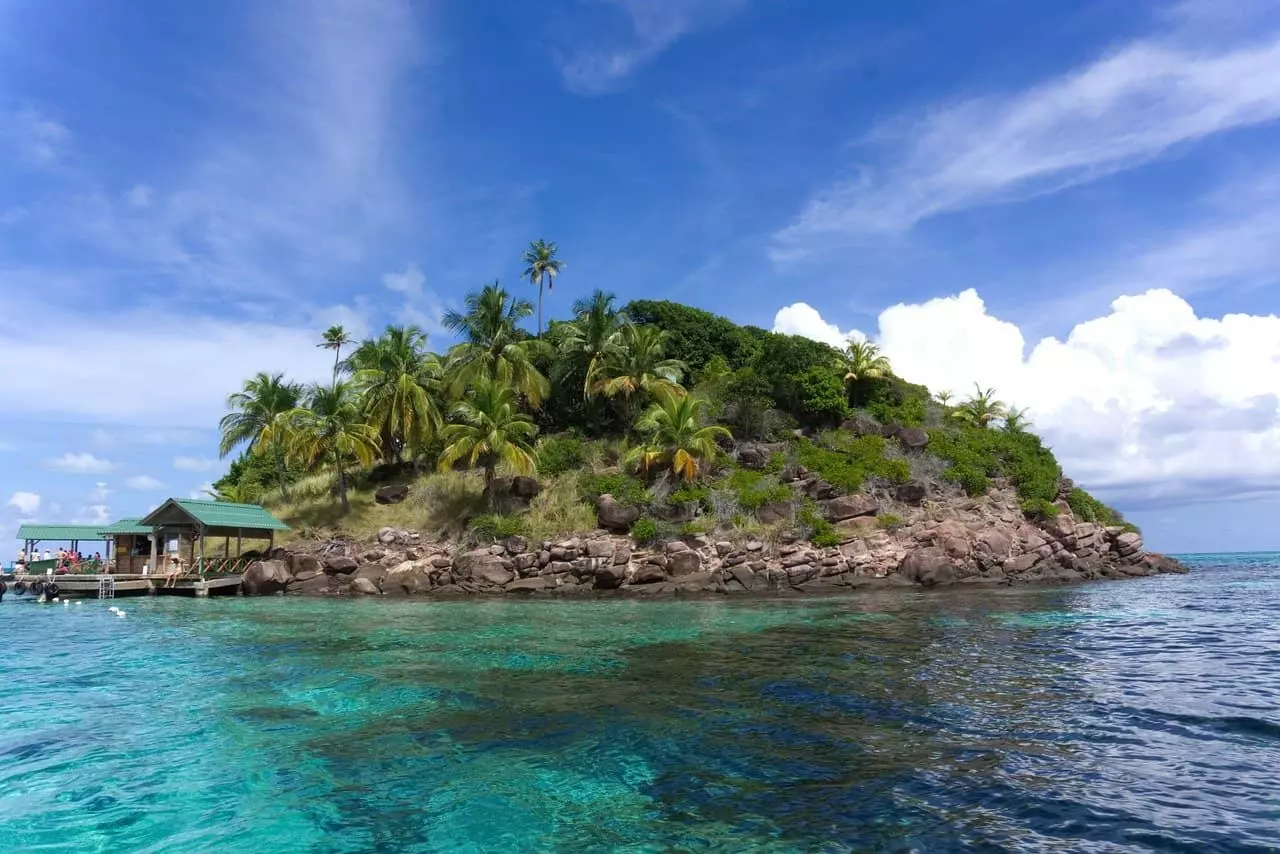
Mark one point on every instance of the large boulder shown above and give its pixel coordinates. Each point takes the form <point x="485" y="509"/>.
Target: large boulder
<point x="911" y="492"/>
<point x="614" y="516"/>
<point x="610" y="576"/>
<point x="928" y="567"/>
<point x="492" y="574"/>
<point x="266" y="577"/>
<point x="304" y="567"/>
<point x="862" y="424"/>
<point x="849" y="506"/>
<point x="393" y="494"/>
<point x="388" y="536"/>
<point x="1129" y="543"/>
<point x="483" y="565"/>
<point x="648" y="573"/>
<point x="775" y="511"/>
<point x="365" y="586"/>
<point x="914" y="438"/>
<point x="684" y="563"/>
<point x="408" y="578"/>
<point x="340" y="565"/>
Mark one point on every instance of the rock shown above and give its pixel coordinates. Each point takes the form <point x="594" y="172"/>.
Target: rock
<point x="523" y="562"/>
<point x="525" y="488"/>
<point x="1021" y="563"/>
<point x="529" y="585"/>
<point x="744" y="576"/>
<point x="266" y="577"/>
<point x="684" y="563"/>
<point x="849" y="506"/>
<point x="365" y="586"/>
<point x="733" y="559"/>
<point x="407" y="578"/>
<point x="515" y="544"/>
<point x="723" y="548"/>
<point x="305" y="567"/>
<point x="862" y="424"/>
<point x="339" y="565"/>
<point x="796" y="559"/>
<point x="913" y="438"/>
<point x="754" y="546"/>
<point x="492" y="574"/>
<point x="953" y="538"/>
<point x="1128" y="543"/>
<point x="928" y="567"/>
<point x="1164" y="564"/>
<point x="391" y="494"/>
<point x="466" y="565"/>
<point x="774" y="511"/>
<point x="675" y="547"/>
<point x="911" y="492"/>
<point x="441" y="561"/>
<point x="318" y="585"/>
<point x="622" y="552"/>
<point x="613" y="516"/>
<point x="373" y="555"/>
<point x="600" y="548"/>
<point x="610" y="576"/>
<point x="647" y="573"/>
<point x="387" y="536"/>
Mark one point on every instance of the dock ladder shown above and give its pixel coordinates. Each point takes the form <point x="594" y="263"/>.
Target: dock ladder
<point x="107" y="587"/>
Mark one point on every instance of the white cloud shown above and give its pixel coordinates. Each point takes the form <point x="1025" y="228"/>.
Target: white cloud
<point x="139" y="196"/>
<point x="204" y="491"/>
<point x="26" y="503"/>
<point x="1123" y="110"/>
<point x="94" y="514"/>
<point x="408" y="283"/>
<point x="100" y="438"/>
<point x="100" y="492"/>
<point x="37" y="139"/>
<point x="143" y="483"/>
<point x="172" y="436"/>
<point x="1149" y="402"/>
<point x="652" y="27"/>
<point x="79" y="464"/>
<point x="200" y="464"/>
<point x="803" y="319"/>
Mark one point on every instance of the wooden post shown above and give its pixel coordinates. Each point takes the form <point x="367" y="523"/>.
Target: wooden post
<point x="226" y="548"/>
<point x="271" y="540"/>
<point x="202" y="533"/>
<point x="239" y="542"/>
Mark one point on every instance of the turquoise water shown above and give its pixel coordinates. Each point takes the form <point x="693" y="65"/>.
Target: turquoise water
<point x="1117" y="716"/>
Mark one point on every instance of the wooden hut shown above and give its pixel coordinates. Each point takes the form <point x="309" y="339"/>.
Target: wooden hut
<point x="190" y="527"/>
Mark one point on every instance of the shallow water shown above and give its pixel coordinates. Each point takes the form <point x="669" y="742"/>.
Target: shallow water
<point x="1138" y="715"/>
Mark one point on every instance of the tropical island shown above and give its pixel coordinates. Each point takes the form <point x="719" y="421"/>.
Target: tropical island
<point x="648" y="448"/>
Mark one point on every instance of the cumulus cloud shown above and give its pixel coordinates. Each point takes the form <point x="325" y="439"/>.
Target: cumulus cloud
<point x="26" y="503"/>
<point x="1121" y="110"/>
<point x="1150" y="402"/>
<point x="94" y="514"/>
<point x="199" y="464"/>
<point x="803" y="319"/>
<point x="143" y="483"/>
<point x="80" y="464"/>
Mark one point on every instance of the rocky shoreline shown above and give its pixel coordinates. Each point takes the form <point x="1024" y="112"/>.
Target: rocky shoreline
<point x="957" y="542"/>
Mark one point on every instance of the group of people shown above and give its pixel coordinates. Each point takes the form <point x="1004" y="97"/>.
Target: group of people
<point x="65" y="560"/>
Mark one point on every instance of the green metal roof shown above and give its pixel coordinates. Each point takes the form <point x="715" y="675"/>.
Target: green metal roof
<point x="127" y="526"/>
<point x="222" y="514"/>
<point x="58" y="533"/>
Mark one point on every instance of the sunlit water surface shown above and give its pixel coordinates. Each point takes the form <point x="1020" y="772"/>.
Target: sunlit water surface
<point x="1116" y="716"/>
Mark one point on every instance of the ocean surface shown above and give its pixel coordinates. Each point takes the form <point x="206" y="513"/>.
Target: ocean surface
<point x="1118" y="716"/>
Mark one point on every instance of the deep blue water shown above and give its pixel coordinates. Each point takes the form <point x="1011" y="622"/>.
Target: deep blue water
<point x="1119" y="716"/>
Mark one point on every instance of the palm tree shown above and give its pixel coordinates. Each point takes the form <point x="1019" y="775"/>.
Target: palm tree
<point x="489" y="429"/>
<point x="861" y="361"/>
<point x="256" y="417"/>
<point x="335" y="338"/>
<point x="493" y="346"/>
<point x="585" y="340"/>
<point x="1016" y="420"/>
<point x="675" y="437"/>
<point x="399" y="382"/>
<point x="234" y="493"/>
<point x="944" y="397"/>
<point x="543" y="267"/>
<point x="980" y="409"/>
<point x="331" y="428"/>
<point x="635" y="362"/>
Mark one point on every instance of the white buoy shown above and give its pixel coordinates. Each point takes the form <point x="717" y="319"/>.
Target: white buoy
<point x="120" y="614"/>
<point x="65" y="603"/>
<point x="78" y="603"/>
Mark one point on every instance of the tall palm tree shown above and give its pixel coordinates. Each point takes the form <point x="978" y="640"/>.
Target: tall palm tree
<point x="335" y="338"/>
<point x="489" y="429"/>
<point x="399" y="382"/>
<point x="256" y="418"/>
<point x="543" y="267"/>
<point x="635" y="362"/>
<point x="493" y="346"/>
<point x="331" y="428"/>
<point x="944" y="397"/>
<point x="585" y="340"/>
<point x="980" y="409"/>
<point x="1016" y="420"/>
<point x="861" y="361"/>
<point x="675" y="437"/>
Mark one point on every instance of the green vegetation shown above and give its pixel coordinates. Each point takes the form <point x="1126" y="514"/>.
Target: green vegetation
<point x="1038" y="508"/>
<point x="645" y="531"/>
<point x="645" y="402"/>
<point x="1089" y="509"/>
<point x="889" y="521"/>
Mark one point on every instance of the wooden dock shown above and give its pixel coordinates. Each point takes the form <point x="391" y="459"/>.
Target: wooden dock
<point x="113" y="586"/>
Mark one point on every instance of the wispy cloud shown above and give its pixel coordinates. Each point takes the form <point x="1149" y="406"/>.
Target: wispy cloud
<point x="197" y="464"/>
<point x="26" y="503"/>
<point x="71" y="463"/>
<point x="35" y="138"/>
<point x="651" y="27"/>
<point x="1125" y="109"/>
<point x="143" y="483"/>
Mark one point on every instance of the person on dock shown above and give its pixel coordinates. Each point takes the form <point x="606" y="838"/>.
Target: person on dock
<point x="175" y="570"/>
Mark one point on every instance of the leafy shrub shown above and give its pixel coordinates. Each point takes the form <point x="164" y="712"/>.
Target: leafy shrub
<point x="694" y="527"/>
<point x="495" y="526"/>
<point x="557" y="510"/>
<point x="821" y="397"/>
<point x="559" y="454"/>
<point x="852" y="460"/>
<point x="973" y="481"/>
<point x="893" y="400"/>
<point x="755" y="489"/>
<point x="626" y="490"/>
<point x="644" y="531"/>
<point x="1038" y="508"/>
<point x="689" y="494"/>
<point x="1089" y="509"/>
<point x="777" y="462"/>
<point x="889" y="521"/>
<point x="977" y="454"/>
<point x="814" y="528"/>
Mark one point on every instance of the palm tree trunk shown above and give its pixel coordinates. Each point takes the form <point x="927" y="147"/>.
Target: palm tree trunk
<point x="337" y="352"/>
<point x="540" y="281"/>
<point x="280" y="476"/>
<point x="490" y="470"/>
<point x="342" y="489"/>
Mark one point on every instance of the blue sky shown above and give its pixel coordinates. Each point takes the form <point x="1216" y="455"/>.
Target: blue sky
<point x="1071" y="201"/>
